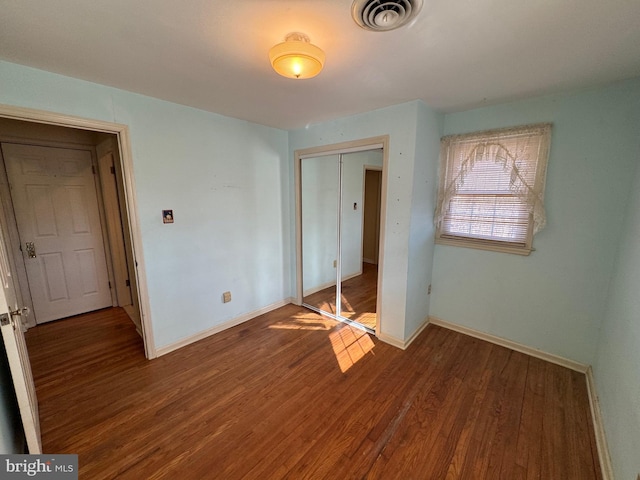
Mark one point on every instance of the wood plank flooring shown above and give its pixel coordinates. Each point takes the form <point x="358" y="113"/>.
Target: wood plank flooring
<point x="358" y="299"/>
<point x="294" y="395"/>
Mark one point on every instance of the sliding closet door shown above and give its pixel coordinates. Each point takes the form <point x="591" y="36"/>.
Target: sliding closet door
<point x="351" y="231"/>
<point x="358" y="287"/>
<point x="319" y="201"/>
<point x="335" y="279"/>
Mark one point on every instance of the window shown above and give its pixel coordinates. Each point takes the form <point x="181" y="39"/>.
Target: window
<point x="492" y="188"/>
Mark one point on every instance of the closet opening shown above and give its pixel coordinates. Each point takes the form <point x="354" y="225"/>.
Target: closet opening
<point x="340" y="230"/>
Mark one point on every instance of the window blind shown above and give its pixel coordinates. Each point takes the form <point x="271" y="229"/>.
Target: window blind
<point x="492" y="184"/>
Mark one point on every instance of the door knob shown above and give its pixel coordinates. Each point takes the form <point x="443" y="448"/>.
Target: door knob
<point x="24" y="311"/>
<point x="31" y="249"/>
<point x="22" y="322"/>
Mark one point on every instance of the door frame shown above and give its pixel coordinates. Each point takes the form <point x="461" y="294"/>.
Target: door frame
<point x="372" y="143"/>
<point x="121" y="132"/>
<point x="365" y="169"/>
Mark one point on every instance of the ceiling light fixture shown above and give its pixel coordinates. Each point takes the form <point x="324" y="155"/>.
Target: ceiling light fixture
<point x="296" y="57"/>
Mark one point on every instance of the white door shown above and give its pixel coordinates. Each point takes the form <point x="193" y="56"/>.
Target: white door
<point x="114" y="229"/>
<point x="56" y="207"/>
<point x="13" y="338"/>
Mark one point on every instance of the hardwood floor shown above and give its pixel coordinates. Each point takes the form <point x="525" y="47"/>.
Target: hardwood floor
<point x="294" y="395"/>
<point x="358" y="300"/>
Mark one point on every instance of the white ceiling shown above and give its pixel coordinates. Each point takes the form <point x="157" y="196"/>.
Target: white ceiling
<point x="213" y="54"/>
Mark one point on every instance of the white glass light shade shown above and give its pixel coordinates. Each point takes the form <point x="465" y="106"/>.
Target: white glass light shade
<point x="296" y="57"/>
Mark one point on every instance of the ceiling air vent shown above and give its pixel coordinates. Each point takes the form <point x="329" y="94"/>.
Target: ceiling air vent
<point x="384" y="15"/>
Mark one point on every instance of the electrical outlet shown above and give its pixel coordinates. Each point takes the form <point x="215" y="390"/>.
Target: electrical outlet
<point x="335" y="264"/>
<point x="226" y="297"/>
<point x="429" y="290"/>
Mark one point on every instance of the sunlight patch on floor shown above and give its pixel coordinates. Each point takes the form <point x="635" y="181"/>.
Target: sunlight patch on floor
<point x="345" y="306"/>
<point x="305" y="321"/>
<point x="350" y="345"/>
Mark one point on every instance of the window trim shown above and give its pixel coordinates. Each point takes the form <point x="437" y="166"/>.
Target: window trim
<point x="490" y="245"/>
<point x="443" y="238"/>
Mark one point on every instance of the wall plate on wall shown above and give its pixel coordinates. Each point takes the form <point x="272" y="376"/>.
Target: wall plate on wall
<point x="167" y="216"/>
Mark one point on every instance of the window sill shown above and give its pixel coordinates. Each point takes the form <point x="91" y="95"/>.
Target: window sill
<point x="485" y="245"/>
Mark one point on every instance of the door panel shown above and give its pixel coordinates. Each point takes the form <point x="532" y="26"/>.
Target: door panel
<point x="320" y="183"/>
<point x="87" y="266"/>
<point x="54" y="280"/>
<point x="39" y="197"/>
<point x="79" y="215"/>
<point x="334" y="279"/>
<point x="16" y="349"/>
<point x="56" y="207"/>
<point x="371" y="229"/>
<point x="358" y="280"/>
<point x="115" y="229"/>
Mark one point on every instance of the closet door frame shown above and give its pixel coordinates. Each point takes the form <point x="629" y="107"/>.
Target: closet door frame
<point x="381" y="142"/>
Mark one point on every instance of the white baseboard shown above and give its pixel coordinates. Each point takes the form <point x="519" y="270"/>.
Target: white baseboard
<point x="223" y="326"/>
<point x="518" y="347"/>
<point x="313" y="290"/>
<point x="391" y="340"/>
<point x="416" y="333"/>
<point x="318" y="288"/>
<point x="598" y="426"/>
<point x="403" y="344"/>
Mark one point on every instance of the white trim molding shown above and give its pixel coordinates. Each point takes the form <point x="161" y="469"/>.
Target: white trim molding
<point x="361" y="145"/>
<point x="415" y="335"/>
<point x="126" y="157"/>
<point x="403" y="344"/>
<point x="391" y="340"/>
<point x="518" y="347"/>
<point x="598" y="427"/>
<point x="221" y="327"/>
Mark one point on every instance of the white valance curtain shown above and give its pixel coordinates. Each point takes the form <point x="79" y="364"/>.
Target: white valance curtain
<point x="516" y="162"/>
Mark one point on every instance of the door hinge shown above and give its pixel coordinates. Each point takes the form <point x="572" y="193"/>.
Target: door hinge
<point x="93" y="169"/>
<point x="112" y="169"/>
<point x="109" y="284"/>
<point x="127" y="283"/>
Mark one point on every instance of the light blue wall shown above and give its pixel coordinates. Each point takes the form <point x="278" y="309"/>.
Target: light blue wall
<point x="555" y="298"/>
<point x="422" y="231"/>
<point x="400" y="122"/>
<point x="617" y="365"/>
<point x="226" y="180"/>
